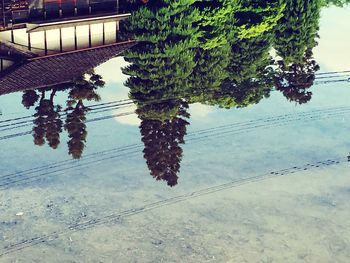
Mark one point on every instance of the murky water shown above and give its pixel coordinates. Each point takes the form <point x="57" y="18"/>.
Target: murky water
<point x="186" y="147"/>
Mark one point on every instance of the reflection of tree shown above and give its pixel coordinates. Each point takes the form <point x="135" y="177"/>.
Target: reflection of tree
<point x="295" y="38"/>
<point x="160" y="75"/>
<point x="248" y="75"/>
<point x="238" y="69"/>
<point x="76" y="128"/>
<point x="82" y="89"/>
<point x="29" y="98"/>
<point x="297" y="30"/>
<point x="47" y="119"/>
<point x="162" y="139"/>
<point x="163" y="61"/>
<point x="212" y="52"/>
<point x="294" y="80"/>
<point x="339" y="3"/>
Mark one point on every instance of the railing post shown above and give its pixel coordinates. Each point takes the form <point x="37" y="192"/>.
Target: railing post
<point x="89" y="35"/>
<point x="12" y="36"/>
<point x="61" y="48"/>
<point x="116" y="30"/>
<point x="29" y="42"/>
<point x="103" y="34"/>
<point x="75" y="38"/>
<point x="45" y="42"/>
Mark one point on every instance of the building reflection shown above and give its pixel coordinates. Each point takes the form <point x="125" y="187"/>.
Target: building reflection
<point x="44" y="59"/>
<point x="35" y="28"/>
<point x="16" y="13"/>
<point x="49" y="53"/>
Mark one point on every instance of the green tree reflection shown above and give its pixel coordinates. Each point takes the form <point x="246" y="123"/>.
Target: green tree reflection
<point x="83" y="88"/>
<point x="339" y="3"/>
<point x="163" y="127"/>
<point x="242" y="76"/>
<point x="49" y="118"/>
<point x="218" y="53"/>
<point x="212" y="52"/>
<point x="294" y="80"/>
<point x="295" y="38"/>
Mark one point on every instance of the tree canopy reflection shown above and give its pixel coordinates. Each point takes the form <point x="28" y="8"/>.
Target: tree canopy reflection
<point x="48" y="117"/>
<point x="163" y="127"/>
<point x="216" y="53"/>
<point x="295" y="37"/>
<point x="224" y="53"/>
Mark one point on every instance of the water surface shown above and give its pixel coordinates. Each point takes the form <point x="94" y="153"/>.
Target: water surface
<point x="204" y="142"/>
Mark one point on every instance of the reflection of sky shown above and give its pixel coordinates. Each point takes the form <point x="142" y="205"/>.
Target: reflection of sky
<point x="112" y="74"/>
<point x="333" y="53"/>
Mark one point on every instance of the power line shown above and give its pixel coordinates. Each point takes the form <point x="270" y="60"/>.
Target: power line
<point x="220" y="131"/>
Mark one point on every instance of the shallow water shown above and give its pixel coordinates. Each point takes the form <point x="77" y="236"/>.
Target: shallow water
<point x="263" y="183"/>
